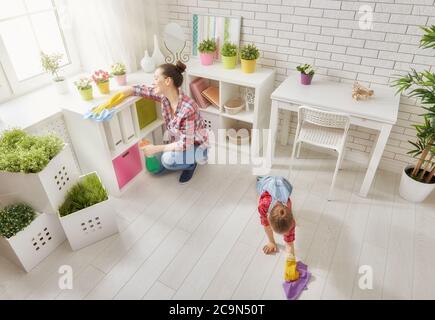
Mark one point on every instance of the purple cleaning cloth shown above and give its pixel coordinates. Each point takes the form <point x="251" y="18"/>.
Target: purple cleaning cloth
<point x="294" y="289"/>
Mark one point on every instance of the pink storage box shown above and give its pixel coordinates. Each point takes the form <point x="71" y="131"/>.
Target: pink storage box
<point x="127" y="165"/>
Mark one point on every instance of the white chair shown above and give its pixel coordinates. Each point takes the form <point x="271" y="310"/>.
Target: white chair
<point x="322" y="129"/>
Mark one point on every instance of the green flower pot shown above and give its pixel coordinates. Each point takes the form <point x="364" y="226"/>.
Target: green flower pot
<point x="86" y="94"/>
<point x="229" y="62"/>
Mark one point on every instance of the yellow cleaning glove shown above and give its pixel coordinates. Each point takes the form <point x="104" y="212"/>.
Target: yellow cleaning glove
<point x="113" y="102"/>
<point x="291" y="274"/>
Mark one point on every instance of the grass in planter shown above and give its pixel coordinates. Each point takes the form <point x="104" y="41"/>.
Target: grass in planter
<point x="87" y="192"/>
<point x="21" y="152"/>
<point x="15" y="218"/>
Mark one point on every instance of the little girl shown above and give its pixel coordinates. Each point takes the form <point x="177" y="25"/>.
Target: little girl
<point x="275" y="211"/>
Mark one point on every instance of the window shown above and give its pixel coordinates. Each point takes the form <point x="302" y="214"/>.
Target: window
<point x="28" y="27"/>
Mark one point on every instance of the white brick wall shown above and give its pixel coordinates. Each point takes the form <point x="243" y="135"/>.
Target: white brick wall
<point x="326" y="33"/>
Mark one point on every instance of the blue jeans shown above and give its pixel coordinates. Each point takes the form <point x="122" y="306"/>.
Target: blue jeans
<point x="184" y="160"/>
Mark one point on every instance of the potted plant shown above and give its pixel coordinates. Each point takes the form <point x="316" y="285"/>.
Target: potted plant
<point x="27" y="237"/>
<point x="101" y="78"/>
<point x="51" y="64"/>
<point x="248" y="57"/>
<point x="207" y="49"/>
<point x="229" y="55"/>
<point x="307" y="73"/>
<point x="119" y="71"/>
<point x="418" y="181"/>
<point x="84" y="86"/>
<point x="39" y="168"/>
<point x="86" y="214"/>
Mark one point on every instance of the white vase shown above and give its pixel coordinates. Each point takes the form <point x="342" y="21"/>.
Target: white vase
<point x="158" y="56"/>
<point x="413" y="190"/>
<point x="147" y="63"/>
<point x="61" y="85"/>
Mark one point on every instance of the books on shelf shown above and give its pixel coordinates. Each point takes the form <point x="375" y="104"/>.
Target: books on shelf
<point x="212" y="95"/>
<point x="196" y="88"/>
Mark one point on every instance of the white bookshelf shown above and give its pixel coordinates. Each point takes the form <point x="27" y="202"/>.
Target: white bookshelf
<point x="232" y="83"/>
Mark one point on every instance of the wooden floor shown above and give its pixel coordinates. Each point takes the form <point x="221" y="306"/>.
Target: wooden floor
<point x="203" y="240"/>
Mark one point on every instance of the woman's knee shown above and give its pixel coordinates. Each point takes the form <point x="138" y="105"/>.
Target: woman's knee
<point x="168" y="159"/>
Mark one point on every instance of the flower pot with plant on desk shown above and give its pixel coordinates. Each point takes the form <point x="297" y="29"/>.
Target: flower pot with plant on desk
<point x="418" y="182"/>
<point x="84" y="86"/>
<point x="229" y="55"/>
<point x="248" y="57"/>
<point x="39" y="168"/>
<point x="51" y="64"/>
<point x="101" y="78"/>
<point x="28" y="237"/>
<point x="207" y="49"/>
<point x="307" y="73"/>
<point x="119" y="72"/>
<point x="87" y="215"/>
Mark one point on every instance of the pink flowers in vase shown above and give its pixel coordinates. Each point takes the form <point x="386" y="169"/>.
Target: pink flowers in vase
<point x="101" y="78"/>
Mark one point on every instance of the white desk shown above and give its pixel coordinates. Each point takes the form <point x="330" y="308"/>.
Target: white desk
<point x="379" y="113"/>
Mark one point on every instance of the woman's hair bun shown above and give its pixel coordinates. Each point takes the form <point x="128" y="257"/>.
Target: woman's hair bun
<point x="180" y="66"/>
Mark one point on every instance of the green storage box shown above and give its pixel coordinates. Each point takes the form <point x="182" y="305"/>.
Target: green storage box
<point x="146" y="112"/>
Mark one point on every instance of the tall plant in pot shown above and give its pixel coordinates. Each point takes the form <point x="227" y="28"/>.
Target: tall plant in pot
<point x="229" y="55"/>
<point x="248" y="58"/>
<point x="120" y="73"/>
<point x="418" y="181"/>
<point x="51" y="64"/>
<point x="207" y="49"/>
<point x="307" y="73"/>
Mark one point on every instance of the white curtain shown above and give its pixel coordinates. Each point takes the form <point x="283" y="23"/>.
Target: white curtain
<point x="108" y="31"/>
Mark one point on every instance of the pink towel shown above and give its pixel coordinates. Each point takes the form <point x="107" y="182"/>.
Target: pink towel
<point x="294" y="289"/>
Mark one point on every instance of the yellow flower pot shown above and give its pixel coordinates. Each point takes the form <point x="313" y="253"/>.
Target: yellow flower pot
<point x="229" y="62"/>
<point x="104" y="87"/>
<point x="86" y="94"/>
<point x="248" y="66"/>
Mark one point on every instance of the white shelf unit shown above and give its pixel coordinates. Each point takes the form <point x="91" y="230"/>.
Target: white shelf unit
<point x="111" y="147"/>
<point x="232" y="84"/>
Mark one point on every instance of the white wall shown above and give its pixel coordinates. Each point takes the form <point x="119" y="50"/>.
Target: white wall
<point x="326" y="33"/>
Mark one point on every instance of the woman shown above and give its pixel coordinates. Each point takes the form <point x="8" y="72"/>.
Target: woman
<point x="186" y="129"/>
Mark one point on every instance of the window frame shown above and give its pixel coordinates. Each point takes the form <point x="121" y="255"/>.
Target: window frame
<point x="11" y="87"/>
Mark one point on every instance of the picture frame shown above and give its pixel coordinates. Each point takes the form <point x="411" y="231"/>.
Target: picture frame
<point x="219" y="27"/>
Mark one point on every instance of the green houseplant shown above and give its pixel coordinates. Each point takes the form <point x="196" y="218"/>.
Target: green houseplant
<point x="51" y="64"/>
<point x="418" y="181"/>
<point x="119" y="71"/>
<point x="229" y="55"/>
<point x="84" y="86"/>
<point x="248" y="57"/>
<point x="21" y="152"/>
<point x="85" y="193"/>
<point x="307" y="73"/>
<point x="15" y="218"/>
<point x="207" y="50"/>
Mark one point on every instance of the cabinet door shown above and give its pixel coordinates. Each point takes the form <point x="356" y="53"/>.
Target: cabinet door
<point x="127" y="165"/>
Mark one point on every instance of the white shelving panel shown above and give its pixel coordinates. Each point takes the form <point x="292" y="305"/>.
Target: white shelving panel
<point x="232" y="84"/>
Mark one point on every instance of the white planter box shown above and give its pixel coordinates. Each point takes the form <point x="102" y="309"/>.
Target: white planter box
<point x="87" y="226"/>
<point x="31" y="245"/>
<point x="45" y="190"/>
<point x="412" y="190"/>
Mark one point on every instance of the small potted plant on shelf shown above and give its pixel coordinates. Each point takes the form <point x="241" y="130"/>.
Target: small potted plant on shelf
<point x="51" y="64"/>
<point x="307" y="73"/>
<point x="84" y="86"/>
<point x="119" y="72"/>
<point x="86" y="214"/>
<point x="101" y="78"/>
<point x="418" y="181"/>
<point x="27" y="237"/>
<point x="229" y="55"/>
<point x="207" y="49"/>
<point x="248" y="57"/>
<point x="39" y="168"/>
